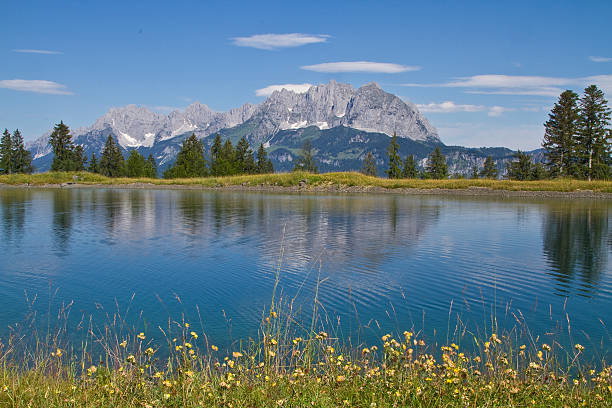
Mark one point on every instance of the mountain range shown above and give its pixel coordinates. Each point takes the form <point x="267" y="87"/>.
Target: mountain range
<point x="342" y="124"/>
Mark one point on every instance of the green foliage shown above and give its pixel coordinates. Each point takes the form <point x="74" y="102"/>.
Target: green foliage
<point x="135" y="165"/>
<point x="369" y="166"/>
<point x="78" y="158"/>
<point x="93" y="164"/>
<point x="593" y="136"/>
<point x="410" y="169"/>
<point x="521" y="169"/>
<point x="264" y="165"/>
<point x="437" y="167"/>
<point x="14" y="158"/>
<point x="395" y="162"/>
<point x="489" y="170"/>
<point x="306" y="161"/>
<point x="245" y="162"/>
<point x="539" y="172"/>
<point x="475" y="174"/>
<point x="223" y="158"/>
<point x="111" y="162"/>
<point x="6" y="153"/>
<point x="65" y="156"/>
<point x="559" y="137"/>
<point x="190" y="161"/>
<point x="150" y="167"/>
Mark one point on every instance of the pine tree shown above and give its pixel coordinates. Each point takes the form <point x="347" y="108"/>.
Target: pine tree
<point x="63" y="149"/>
<point x="215" y="154"/>
<point x="410" y="169"/>
<point x="306" y="161"/>
<point x="245" y="162"/>
<point x="369" y="165"/>
<point x="475" y="172"/>
<point x="559" y="137"/>
<point x="521" y="169"/>
<point x="226" y="164"/>
<point x="264" y="165"/>
<point x="489" y="170"/>
<point x="135" y="165"/>
<point x="593" y="136"/>
<point x="78" y="158"/>
<point x="6" y="153"/>
<point x="437" y="167"/>
<point x="190" y="161"/>
<point x="22" y="158"/>
<point x="151" y="166"/>
<point x="93" y="164"/>
<point x="395" y="162"/>
<point x="111" y="161"/>
<point x="538" y="172"/>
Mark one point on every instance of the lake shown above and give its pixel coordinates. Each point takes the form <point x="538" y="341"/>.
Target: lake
<point x="380" y="263"/>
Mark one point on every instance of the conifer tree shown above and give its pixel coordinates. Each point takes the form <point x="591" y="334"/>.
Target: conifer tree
<point x="306" y="161"/>
<point x="395" y="162"/>
<point x="521" y="169"/>
<point x="6" y="153"/>
<point x="559" y="137"/>
<point x="151" y="166"/>
<point x="135" y="164"/>
<point x="264" y="165"/>
<point x="437" y="167"/>
<point x="78" y="158"/>
<point x="538" y="172"/>
<point x="489" y="170"/>
<point x="245" y="162"/>
<point x="190" y="161"/>
<point x="410" y="169"/>
<point x="63" y="148"/>
<point x="111" y="161"/>
<point x="93" y="164"/>
<point x="369" y="165"/>
<point x="593" y="136"/>
<point x="22" y="158"/>
<point x="475" y="172"/>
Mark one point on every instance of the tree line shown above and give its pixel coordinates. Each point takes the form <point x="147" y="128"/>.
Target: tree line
<point x="14" y="158"/>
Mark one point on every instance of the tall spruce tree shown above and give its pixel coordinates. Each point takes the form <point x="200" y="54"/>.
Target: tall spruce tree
<point x="190" y="160"/>
<point x="245" y="162"/>
<point x="475" y="173"/>
<point x="135" y="164"/>
<point x="21" y="157"/>
<point x="264" y="165"/>
<point x="395" y="161"/>
<point x="151" y="166"/>
<point x="521" y="169"/>
<point x="437" y="167"/>
<point x="93" y="164"/>
<point x="489" y="170"/>
<point x="593" y="136"/>
<point x="111" y="161"/>
<point x="78" y="158"/>
<point x="63" y="148"/>
<point x="369" y="165"/>
<point x="6" y="153"/>
<point x="410" y="169"/>
<point x="306" y="162"/>
<point x="559" y="135"/>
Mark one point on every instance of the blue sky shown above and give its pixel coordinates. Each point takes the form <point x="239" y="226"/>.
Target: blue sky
<point x="484" y="73"/>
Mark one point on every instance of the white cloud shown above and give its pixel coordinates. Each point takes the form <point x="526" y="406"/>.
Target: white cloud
<point x="36" y="85"/>
<point x="449" y="107"/>
<point x="495" y="84"/>
<point x="498" y="110"/>
<point x="297" y="88"/>
<point x="29" y="51"/>
<point x="360" y="66"/>
<point x="600" y="59"/>
<point x="276" y="41"/>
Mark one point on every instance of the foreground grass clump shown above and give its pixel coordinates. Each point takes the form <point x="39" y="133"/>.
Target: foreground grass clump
<point x="340" y="179"/>
<point x="282" y="370"/>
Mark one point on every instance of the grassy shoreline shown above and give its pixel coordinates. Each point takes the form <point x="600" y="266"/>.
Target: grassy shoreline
<point x="314" y="182"/>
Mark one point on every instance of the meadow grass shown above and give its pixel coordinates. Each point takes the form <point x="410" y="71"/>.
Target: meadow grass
<point x="339" y="179"/>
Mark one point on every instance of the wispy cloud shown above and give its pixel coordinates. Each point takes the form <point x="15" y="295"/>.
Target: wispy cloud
<point x="520" y="84"/>
<point x="600" y="59"/>
<point x="36" y="85"/>
<point x="449" y="107"/>
<point x="297" y="88"/>
<point x="277" y="41"/>
<point x="498" y="110"/>
<point x="29" y="51"/>
<point x="360" y="66"/>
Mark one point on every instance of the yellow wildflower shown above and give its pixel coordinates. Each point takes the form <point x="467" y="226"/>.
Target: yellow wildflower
<point x="214" y="348"/>
<point x="141" y="336"/>
<point x="237" y="354"/>
<point x="194" y="335"/>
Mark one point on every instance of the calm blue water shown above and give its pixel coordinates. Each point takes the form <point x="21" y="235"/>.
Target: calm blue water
<point x="383" y="263"/>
